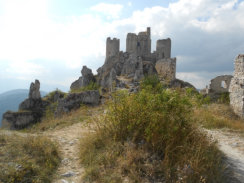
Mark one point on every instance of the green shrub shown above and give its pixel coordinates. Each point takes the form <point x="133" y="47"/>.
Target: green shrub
<point x="224" y="98"/>
<point x="148" y="137"/>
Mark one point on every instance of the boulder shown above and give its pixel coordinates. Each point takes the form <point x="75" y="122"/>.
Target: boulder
<point x="86" y="79"/>
<point x="177" y="83"/>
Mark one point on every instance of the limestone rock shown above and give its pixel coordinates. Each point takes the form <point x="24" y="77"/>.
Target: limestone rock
<point x="86" y="79"/>
<point x="75" y="100"/>
<point x="177" y="83"/>
<point x="166" y="69"/>
<point x="34" y="92"/>
<point x="19" y="120"/>
<point x="30" y="110"/>
<point x="148" y="68"/>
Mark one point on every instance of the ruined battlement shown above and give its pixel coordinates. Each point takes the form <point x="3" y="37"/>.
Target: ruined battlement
<point x="140" y="45"/>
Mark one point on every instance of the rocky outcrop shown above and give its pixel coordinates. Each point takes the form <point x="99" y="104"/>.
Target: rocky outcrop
<point x="30" y="110"/>
<point x="75" y="100"/>
<point x="86" y="79"/>
<point x="20" y="120"/>
<point x="166" y="69"/>
<point x="177" y="83"/>
<point x="236" y="87"/>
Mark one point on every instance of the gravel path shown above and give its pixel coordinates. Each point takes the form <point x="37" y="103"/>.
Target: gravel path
<point x="232" y="145"/>
<point x="70" y="170"/>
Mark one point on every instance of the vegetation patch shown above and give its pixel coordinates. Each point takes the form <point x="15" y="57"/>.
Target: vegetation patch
<point x="218" y="116"/>
<point x="50" y="122"/>
<point x="149" y="137"/>
<point x="91" y="86"/>
<point x="27" y="159"/>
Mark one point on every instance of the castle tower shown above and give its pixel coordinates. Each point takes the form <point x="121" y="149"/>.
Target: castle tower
<point x="112" y="47"/>
<point x="139" y="44"/>
<point x="163" y="48"/>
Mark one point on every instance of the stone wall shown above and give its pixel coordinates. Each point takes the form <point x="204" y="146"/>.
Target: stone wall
<point x="220" y="84"/>
<point x="166" y="69"/>
<point x="236" y="88"/>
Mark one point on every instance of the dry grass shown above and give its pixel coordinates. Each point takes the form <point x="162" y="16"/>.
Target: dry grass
<point x="76" y="116"/>
<point x="218" y="116"/>
<point x="27" y="159"/>
<point x="149" y="137"/>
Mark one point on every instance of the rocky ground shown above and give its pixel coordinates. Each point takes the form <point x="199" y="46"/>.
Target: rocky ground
<point x="232" y="145"/>
<point x="70" y="170"/>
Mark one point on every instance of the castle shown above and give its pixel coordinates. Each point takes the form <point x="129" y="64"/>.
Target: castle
<point x="140" y="45"/>
<point x="138" y="60"/>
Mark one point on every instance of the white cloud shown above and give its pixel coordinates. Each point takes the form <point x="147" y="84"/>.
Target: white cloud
<point x="112" y="11"/>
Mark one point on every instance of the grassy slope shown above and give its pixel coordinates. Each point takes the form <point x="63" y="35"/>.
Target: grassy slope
<point x="27" y="159"/>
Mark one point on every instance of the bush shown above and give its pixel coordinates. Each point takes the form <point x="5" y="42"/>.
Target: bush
<point x="27" y="159"/>
<point x="149" y="136"/>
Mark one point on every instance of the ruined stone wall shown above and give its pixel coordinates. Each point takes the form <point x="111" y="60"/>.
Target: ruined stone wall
<point x="112" y="47"/>
<point x="166" y="68"/>
<point x="163" y="48"/>
<point x="220" y="84"/>
<point x="236" y="88"/>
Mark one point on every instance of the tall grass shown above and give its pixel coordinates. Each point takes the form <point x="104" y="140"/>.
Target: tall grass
<point x="218" y="116"/>
<point x="149" y="137"/>
<point x="27" y="159"/>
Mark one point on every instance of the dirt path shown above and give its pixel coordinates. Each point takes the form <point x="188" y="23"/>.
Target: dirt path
<point x="232" y="145"/>
<point x="70" y="170"/>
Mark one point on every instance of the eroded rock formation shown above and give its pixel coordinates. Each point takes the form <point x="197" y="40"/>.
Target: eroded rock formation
<point x="86" y="78"/>
<point x="75" y="100"/>
<point x="30" y="110"/>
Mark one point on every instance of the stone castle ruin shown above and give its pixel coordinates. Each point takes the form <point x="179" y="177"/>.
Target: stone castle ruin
<point x="137" y="61"/>
<point x="129" y="67"/>
<point x="236" y="88"/>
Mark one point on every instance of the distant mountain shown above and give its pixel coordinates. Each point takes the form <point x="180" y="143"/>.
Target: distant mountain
<point x="10" y="100"/>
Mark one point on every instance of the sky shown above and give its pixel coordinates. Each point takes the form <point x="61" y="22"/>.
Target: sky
<point x="51" y="40"/>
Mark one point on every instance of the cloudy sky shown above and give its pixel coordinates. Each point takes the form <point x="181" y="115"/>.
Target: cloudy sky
<point x="52" y="39"/>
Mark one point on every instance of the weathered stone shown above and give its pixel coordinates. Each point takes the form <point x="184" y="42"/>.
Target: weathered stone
<point x="148" y="68"/>
<point x="166" y="69"/>
<point x="177" y="83"/>
<point x="30" y="110"/>
<point x="220" y="84"/>
<point x="86" y="79"/>
<point x="19" y="120"/>
<point x="75" y="100"/>
<point x="34" y="92"/>
<point x="236" y="88"/>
